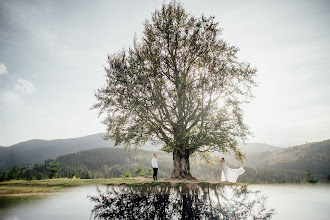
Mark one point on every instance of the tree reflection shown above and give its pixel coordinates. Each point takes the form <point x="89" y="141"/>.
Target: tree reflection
<point x="162" y="202"/>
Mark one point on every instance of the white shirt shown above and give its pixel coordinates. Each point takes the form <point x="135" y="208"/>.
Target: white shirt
<point x="154" y="163"/>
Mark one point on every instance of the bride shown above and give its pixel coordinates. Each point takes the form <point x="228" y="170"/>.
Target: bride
<point x="229" y="174"/>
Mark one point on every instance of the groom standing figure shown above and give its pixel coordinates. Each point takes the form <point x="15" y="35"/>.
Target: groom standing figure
<point x="154" y="165"/>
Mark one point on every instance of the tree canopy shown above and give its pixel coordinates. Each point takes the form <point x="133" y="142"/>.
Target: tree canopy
<point x="181" y="85"/>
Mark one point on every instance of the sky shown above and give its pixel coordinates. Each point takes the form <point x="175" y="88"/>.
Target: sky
<point x="53" y="53"/>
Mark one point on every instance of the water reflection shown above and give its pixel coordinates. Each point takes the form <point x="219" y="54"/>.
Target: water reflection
<point x="163" y="202"/>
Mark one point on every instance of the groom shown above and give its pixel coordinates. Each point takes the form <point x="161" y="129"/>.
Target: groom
<point x="154" y="165"/>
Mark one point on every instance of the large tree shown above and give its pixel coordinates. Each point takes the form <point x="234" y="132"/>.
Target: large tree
<point x="181" y="85"/>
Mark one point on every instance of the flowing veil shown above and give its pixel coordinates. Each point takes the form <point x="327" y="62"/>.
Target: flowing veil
<point x="229" y="174"/>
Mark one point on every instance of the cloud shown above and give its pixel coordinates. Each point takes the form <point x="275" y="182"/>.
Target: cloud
<point x="3" y="69"/>
<point x="25" y="87"/>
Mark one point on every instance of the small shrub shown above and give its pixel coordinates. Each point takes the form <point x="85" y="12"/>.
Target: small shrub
<point x="310" y="178"/>
<point x="126" y="174"/>
<point x="139" y="172"/>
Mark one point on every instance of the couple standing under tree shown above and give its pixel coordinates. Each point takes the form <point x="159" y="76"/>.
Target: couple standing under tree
<point x="227" y="174"/>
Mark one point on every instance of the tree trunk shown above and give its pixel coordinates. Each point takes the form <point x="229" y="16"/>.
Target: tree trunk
<point x="181" y="165"/>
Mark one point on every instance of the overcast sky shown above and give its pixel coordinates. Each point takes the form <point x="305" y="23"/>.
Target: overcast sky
<point x="52" y="55"/>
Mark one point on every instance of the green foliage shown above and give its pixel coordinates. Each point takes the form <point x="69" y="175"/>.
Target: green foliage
<point x="139" y="172"/>
<point x="149" y="172"/>
<point x="14" y="173"/>
<point x="310" y="177"/>
<point x="126" y="174"/>
<point x="181" y="84"/>
<point x="4" y="176"/>
<point x="53" y="169"/>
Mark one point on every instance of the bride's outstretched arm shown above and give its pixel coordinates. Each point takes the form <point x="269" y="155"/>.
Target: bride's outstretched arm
<point x="227" y="163"/>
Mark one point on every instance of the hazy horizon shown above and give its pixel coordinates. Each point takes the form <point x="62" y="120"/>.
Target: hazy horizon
<point x="283" y="146"/>
<point x="52" y="56"/>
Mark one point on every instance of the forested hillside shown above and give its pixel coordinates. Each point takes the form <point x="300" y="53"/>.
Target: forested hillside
<point x="115" y="162"/>
<point x="265" y="164"/>
<point x="310" y="156"/>
<point x="37" y="151"/>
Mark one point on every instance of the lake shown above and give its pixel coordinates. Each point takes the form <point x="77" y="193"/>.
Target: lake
<point x="225" y="202"/>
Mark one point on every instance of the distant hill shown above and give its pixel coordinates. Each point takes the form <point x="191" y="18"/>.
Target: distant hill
<point x="313" y="156"/>
<point x="37" y="150"/>
<point x="252" y="148"/>
<point x="251" y="151"/>
<point x="112" y="162"/>
<point x="282" y="166"/>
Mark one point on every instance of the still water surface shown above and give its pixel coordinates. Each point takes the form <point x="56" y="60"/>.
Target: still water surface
<point x="229" y="202"/>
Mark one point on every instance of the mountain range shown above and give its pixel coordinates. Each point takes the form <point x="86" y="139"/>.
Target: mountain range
<point x="91" y="156"/>
<point x="311" y="156"/>
<point x="38" y="150"/>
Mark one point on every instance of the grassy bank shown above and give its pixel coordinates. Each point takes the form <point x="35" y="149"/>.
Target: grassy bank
<point x="18" y="191"/>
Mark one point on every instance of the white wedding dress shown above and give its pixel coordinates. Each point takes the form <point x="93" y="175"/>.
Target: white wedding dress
<point x="229" y="174"/>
